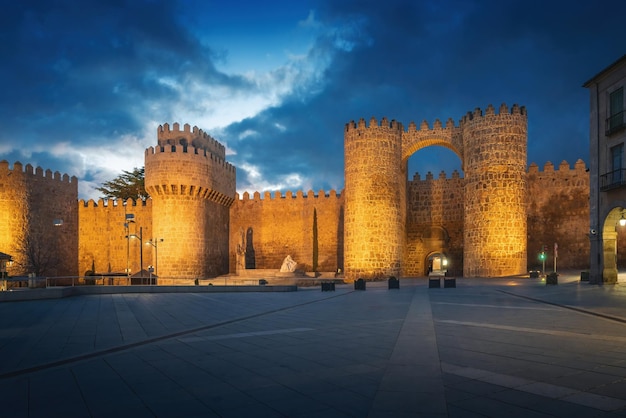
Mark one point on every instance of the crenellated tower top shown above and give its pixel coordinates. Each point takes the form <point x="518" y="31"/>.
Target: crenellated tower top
<point x="195" y="138"/>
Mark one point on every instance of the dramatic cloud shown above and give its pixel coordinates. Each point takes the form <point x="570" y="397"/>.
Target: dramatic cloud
<point x="85" y="87"/>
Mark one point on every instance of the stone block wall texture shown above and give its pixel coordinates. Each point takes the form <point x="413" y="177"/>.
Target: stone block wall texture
<point x="103" y="246"/>
<point x="192" y="188"/>
<point x="30" y="202"/>
<point x="275" y="226"/>
<point x="558" y="212"/>
<point x="495" y="192"/>
<point x="434" y="222"/>
<point x="490" y="222"/>
<point x="375" y="199"/>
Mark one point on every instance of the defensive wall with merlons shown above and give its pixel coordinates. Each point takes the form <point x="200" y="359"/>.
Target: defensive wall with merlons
<point x="492" y="221"/>
<point x="38" y="219"/>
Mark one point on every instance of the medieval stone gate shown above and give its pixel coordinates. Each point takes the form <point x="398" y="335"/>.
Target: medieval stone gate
<point x="492" y="148"/>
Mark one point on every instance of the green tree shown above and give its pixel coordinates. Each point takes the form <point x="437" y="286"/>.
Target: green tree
<point x="128" y="185"/>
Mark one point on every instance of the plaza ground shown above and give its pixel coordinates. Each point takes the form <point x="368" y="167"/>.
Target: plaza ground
<point x="510" y="347"/>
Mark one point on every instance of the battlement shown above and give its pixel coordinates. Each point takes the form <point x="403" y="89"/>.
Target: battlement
<point x="442" y="176"/>
<point x="38" y="172"/>
<point x="490" y="111"/>
<point x="278" y="196"/>
<point x="384" y="122"/>
<point x="533" y="168"/>
<point x="564" y="167"/>
<point x="438" y="125"/>
<point x="114" y="204"/>
<point x="185" y="151"/>
<point x="189" y="137"/>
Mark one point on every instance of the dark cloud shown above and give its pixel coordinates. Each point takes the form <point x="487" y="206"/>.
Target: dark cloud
<point x="96" y="72"/>
<point x="412" y="61"/>
<point x="96" y="65"/>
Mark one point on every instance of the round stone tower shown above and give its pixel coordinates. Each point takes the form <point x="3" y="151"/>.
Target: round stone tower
<point x="375" y="199"/>
<point x="192" y="187"/>
<point x="495" y="192"/>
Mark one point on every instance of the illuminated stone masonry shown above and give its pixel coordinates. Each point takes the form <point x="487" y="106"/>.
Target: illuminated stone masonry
<point x="490" y="222"/>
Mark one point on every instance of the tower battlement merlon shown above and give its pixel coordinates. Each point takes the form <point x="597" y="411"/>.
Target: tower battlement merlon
<point x="490" y="111"/>
<point x="189" y="150"/>
<point x="374" y="123"/>
<point x="190" y="137"/>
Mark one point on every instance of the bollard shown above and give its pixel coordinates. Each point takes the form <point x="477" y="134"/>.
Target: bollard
<point x="328" y="287"/>
<point x="434" y="282"/>
<point x="359" y="284"/>
<point x="552" y="278"/>
<point x="449" y="282"/>
<point x="394" y="283"/>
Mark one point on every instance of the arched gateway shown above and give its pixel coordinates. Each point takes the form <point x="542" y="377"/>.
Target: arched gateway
<point x="492" y="148"/>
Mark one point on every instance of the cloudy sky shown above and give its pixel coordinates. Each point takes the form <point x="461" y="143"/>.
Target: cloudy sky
<point x="86" y="83"/>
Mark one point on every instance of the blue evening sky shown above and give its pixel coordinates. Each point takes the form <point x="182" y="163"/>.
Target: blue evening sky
<point x="86" y="83"/>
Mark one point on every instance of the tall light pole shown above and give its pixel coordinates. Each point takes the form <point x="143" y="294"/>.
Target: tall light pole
<point x="140" y="237"/>
<point x="155" y="243"/>
<point x="130" y="218"/>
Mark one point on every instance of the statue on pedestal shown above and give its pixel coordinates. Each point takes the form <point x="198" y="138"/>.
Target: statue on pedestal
<point x="289" y="265"/>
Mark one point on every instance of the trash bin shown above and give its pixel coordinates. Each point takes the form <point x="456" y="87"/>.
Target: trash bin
<point x="328" y="286"/>
<point x="449" y="282"/>
<point x="584" y="276"/>
<point x="552" y="278"/>
<point x="359" y="284"/>
<point x="434" y="282"/>
<point x="394" y="283"/>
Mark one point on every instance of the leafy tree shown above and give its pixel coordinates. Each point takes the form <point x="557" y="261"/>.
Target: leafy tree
<point x="128" y="185"/>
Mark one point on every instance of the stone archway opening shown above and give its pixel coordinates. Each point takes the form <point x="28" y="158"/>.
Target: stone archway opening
<point x="435" y="199"/>
<point x="437" y="264"/>
<point x="614" y="246"/>
<point x="435" y="158"/>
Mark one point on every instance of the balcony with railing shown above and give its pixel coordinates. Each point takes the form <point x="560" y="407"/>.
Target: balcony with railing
<point x="615" y="123"/>
<point x="613" y="180"/>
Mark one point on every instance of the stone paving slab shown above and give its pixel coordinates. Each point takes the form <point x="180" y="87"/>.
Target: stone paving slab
<point x="487" y="348"/>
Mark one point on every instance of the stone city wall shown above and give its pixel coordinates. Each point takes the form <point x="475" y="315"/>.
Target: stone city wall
<point x="30" y="202"/>
<point x="275" y="226"/>
<point x="434" y="222"/>
<point x="103" y="246"/>
<point x="558" y="211"/>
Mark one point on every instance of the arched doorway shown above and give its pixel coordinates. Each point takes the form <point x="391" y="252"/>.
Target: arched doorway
<point x="437" y="264"/>
<point x="614" y="246"/>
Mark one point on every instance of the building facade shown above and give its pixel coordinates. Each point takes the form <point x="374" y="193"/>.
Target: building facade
<point x="607" y="167"/>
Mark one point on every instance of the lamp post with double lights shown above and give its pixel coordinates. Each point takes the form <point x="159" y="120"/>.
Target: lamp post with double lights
<point x="155" y="243"/>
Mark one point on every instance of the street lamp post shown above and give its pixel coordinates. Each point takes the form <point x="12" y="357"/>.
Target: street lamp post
<point x="140" y="237"/>
<point x="130" y="218"/>
<point x="154" y="242"/>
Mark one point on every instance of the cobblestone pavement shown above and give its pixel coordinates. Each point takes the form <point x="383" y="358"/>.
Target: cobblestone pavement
<point x="487" y="348"/>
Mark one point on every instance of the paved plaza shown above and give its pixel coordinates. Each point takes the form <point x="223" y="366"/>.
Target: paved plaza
<point x="488" y="348"/>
